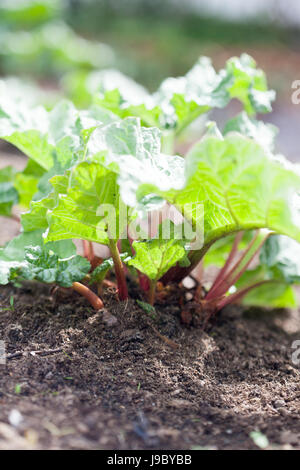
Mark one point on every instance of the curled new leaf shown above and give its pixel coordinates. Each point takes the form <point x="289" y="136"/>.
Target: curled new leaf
<point x="45" y="266"/>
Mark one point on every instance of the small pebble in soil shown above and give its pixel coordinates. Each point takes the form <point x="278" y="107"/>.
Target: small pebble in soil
<point x="108" y="319"/>
<point x="279" y="403"/>
<point x="15" y="418"/>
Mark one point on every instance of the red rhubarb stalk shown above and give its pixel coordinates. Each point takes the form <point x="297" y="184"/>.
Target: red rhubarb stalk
<point x="119" y="270"/>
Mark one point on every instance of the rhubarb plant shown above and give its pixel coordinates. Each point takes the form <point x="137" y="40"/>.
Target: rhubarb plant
<point x="178" y="101"/>
<point x="106" y="176"/>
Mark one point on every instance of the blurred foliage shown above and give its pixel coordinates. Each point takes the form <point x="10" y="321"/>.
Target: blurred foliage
<point x="155" y="39"/>
<point x="151" y="39"/>
<point x="20" y="14"/>
<point x="50" y="50"/>
<point x="35" y="40"/>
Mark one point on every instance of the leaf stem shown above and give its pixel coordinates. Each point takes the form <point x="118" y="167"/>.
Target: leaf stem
<point x="151" y="292"/>
<point x="230" y="299"/>
<point x="119" y="270"/>
<point x="167" y="142"/>
<point x="16" y="218"/>
<point x="230" y="258"/>
<point x="238" y="269"/>
<point x="83" y="290"/>
<point x="88" y="250"/>
<point x="144" y="281"/>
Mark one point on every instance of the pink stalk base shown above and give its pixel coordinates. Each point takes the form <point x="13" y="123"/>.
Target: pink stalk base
<point x="83" y="290"/>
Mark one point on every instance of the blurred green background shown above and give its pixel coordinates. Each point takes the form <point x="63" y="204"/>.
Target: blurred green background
<point x="55" y="44"/>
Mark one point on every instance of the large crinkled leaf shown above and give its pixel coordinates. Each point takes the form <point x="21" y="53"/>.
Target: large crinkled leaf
<point x="86" y="204"/>
<point x="134" y="153"/>
<point x="263" y="133"/>
<point x="156" y="256"/>
<point x="179" y="101"/>
<point x="8" y="193"/>
<point x="240" y="187"/>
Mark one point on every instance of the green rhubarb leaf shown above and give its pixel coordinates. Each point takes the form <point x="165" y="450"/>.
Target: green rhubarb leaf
<point x="26" y="186"/>
<point x="9" y="270"/>
<point x="240" y="187"/>
<point x="263" y="133"/>
<point x="219" y="251"/>
<point x="47" y="137"/>
<point x="45" y="266"/>
<point x="26" y="182"/>
<point x="281" y="257"/>
<point x="185" y="98"/>
<point x="274" y="292"/>
<point x="134" y="153"/>
<point x="272" y="296"/>
<point x="249" y="85"/>
<point x="176" y="103"/>
<point x="36" y="217"/>
<point x="83" y="86"/>
<point x="179" y="101"/>
<point x="156" y="256"/>
<point x="14" y="250"/>
<point x="26" y="128"/>
<point x="8" y="193"/>
<point x="87" y="206"/>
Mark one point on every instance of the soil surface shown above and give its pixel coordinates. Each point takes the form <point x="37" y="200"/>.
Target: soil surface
<point x="79" y="379"/>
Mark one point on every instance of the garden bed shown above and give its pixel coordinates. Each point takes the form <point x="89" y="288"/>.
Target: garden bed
<point x="108" y="381"/>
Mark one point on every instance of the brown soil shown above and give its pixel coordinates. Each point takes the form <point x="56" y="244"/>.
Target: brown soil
<point x="112" y="383"/>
